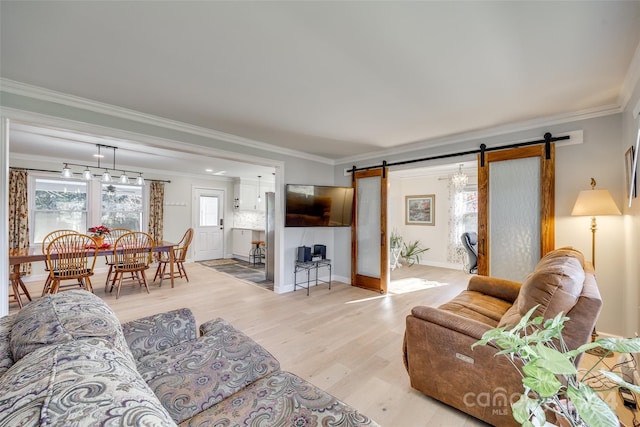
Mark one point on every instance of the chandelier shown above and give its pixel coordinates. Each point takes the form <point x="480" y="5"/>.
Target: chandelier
<point x="106" y="176"/>
<point x="459" y="179"/>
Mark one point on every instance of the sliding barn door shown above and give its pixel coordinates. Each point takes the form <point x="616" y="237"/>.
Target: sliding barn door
<point x="515" y="211"/>
<point x="369" y="254"/>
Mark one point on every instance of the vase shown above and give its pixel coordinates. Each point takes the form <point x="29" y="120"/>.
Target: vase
<point x="99" y="241"/>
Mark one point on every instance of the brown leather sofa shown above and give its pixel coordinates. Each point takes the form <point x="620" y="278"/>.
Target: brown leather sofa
<point x="437" y="344"/>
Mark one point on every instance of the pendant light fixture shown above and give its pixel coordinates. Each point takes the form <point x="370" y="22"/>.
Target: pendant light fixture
<point x="259" y="198"/>
<point x="87" y="175"/>
<point x="459" y="179"/>
<point x="66" y="172"/>
<point x="106" y="176"/>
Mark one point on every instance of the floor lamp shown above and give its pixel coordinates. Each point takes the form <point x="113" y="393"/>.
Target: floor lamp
<point x="594" y="203"/>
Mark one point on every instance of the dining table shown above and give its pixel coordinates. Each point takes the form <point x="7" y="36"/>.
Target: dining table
<point x="35" y="254"/>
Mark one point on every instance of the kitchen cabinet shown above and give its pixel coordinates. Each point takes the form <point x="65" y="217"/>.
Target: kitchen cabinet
<point x="241" y="241"/>
<point x="246" y="195"/>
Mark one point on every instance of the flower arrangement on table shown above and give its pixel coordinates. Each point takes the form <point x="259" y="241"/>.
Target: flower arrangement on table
<point x="98" y="234"/>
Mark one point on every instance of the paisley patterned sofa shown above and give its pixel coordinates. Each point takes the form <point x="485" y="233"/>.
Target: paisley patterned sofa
<point x="66" y="360"/>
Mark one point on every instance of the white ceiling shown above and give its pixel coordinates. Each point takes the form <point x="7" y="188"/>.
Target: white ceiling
<point x="334" y="79"/>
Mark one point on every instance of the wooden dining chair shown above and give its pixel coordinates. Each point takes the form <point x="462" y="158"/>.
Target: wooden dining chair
<point x="110" y="260"/>
<point x="18" y="287"/>
<point x="180" y="251"/>
<point x="71" y="257"/>
<point x="132" y="254"/>
<point x="45" y="242"/>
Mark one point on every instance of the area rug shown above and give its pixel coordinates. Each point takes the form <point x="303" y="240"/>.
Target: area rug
<point x="217" y="262"/>
<point x="241" y="270"/>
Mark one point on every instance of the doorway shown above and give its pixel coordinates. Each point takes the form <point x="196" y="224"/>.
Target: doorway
<point x="208" y="221"/>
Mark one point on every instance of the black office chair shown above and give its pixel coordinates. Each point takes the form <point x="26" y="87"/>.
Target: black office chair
<point x="470" y="243"/>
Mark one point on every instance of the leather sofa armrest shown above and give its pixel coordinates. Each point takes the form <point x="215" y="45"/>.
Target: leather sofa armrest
<point x="451" y="321"/>
<point x="504" y="289"/>
<point x="155" y="333"/>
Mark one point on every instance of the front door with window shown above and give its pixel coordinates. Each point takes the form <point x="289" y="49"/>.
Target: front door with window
<point x="208" y="239"/>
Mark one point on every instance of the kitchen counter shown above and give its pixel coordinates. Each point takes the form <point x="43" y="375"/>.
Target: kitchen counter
<point x="249" y="228"/>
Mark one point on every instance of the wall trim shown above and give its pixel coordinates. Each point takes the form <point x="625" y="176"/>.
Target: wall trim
<point x="487" y="133"/>
<point x="35" y="92"/>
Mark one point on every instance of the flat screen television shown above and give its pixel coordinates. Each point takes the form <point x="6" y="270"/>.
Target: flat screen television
<point x="318" y="206"/>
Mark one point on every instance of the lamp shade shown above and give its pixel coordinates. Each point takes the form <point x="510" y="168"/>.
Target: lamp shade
<point x="595" y="203"/>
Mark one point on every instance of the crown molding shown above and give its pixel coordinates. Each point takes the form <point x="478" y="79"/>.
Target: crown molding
<point x="35" y="92"/>
<point x="591" y="113"/>
<point x="631" y="80"/>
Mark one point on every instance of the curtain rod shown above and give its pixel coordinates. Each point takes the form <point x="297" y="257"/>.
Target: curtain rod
<point x="57" y="172"/>
<point x="548" y="139"/>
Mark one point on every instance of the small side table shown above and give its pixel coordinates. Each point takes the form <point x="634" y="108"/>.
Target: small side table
<point x="309" y="266"/>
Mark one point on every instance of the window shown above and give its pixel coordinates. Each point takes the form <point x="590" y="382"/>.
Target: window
<point x="122" y="206"/>
<point x="58" y="204"/>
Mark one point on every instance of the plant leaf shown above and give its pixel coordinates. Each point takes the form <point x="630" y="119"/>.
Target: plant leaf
<point x="618" y="345"/>
<point x="554" y="361"/>
<point x="618" y="380"/>
<point x="524" y="407"/>
<point x="540" y="380"/>
<point x="593" y="410"/>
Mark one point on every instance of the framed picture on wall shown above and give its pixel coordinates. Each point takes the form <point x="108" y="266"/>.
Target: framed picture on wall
<point x="420" y="210"/>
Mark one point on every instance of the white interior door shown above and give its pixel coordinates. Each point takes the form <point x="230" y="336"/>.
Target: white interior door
<point x="208" y="239"/>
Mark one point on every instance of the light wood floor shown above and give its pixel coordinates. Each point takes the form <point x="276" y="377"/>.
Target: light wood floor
<point x="346" y="340"/>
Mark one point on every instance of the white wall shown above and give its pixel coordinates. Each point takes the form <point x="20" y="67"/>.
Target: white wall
<point x="436" y="237"/>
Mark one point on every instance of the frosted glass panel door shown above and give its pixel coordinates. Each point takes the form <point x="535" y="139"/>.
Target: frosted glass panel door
<point x="516" y="195"/>
<point x="208" y="224"/>
<point x="514" y="218"/>
<point x="369" y="265"/>
<point x="368" y="217"/>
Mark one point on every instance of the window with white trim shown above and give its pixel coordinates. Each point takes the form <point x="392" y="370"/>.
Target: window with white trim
<point x="62" y="203"/>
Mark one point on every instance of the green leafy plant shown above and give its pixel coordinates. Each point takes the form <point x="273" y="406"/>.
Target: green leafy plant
<point x="551" y="381"/>
<point x="411" y="252"/>
<point x="395" y="241"/>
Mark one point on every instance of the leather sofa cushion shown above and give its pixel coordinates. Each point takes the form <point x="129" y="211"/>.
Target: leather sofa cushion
<point x="478" y="306"/>
<point x="555" y="286"/>
<point x="53" y="320"/>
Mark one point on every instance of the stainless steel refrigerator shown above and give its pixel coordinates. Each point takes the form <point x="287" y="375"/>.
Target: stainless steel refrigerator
<point x="270" y="225"/>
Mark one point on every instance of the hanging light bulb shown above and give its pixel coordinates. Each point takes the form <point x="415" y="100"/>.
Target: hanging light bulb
<point x="106" y="176"/>
<point x="66" y="172"/>
<point x="124" y="179"/>
<point x="86" y="174"/>
<point x="459" y="179"/>
<point x="259" y="198"/>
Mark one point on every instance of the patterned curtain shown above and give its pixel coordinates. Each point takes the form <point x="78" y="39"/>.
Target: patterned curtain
<point x="19" y="214"/>
<point x="156" y="209"/>
<point x="455" y="252"/>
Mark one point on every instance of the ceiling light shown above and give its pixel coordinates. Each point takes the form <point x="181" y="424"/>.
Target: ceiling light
<point x="459" y="179"/>
<point x="124" y="179"/>
<point x="66" y="172"/>
<point x="208" y="170"/>
<point x="86" y="174"/>
<point x="259" y="198"/>
<point x="106" y="176"/>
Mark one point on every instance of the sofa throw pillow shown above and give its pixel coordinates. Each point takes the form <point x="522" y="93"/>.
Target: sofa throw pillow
<point x="63" y="317"/>
<point x="555" y="285"/>
<point x="6" y="358"/>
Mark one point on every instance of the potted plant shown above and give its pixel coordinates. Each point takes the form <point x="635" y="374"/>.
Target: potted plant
<point x="551" y="381"/>
<point x="411" y="252"/>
